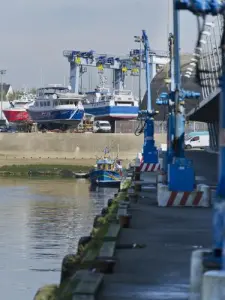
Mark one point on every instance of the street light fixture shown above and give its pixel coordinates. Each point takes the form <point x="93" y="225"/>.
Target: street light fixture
<point x="138" y="39"/>
<point x="2" y="72"/>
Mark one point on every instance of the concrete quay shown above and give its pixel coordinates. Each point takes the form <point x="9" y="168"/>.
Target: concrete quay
<point x="161" y="270"/>
<point x="72" y="146"/>
<point x="158" y="267"/>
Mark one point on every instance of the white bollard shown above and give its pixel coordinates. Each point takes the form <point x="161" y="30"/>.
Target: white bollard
<point x="213" y="285"/>
<point x="196" y="273"/>
<point x="206" y="192"/>
<point x="138" y="159"/>
<point x="161" y="162"/>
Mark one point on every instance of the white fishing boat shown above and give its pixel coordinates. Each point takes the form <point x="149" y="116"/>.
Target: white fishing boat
<point x="110" y="105"/>
<point x="56" y="104"/>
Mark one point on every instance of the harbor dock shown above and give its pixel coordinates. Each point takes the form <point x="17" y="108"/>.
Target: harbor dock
<point x="150" y="259"/>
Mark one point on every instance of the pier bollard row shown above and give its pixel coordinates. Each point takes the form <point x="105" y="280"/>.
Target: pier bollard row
<point x="90" y="250"/>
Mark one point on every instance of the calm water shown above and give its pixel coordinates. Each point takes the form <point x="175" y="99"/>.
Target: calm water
<point x="40" y="222"/>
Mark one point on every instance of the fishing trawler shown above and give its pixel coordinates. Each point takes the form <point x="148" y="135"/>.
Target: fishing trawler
<point x="17" y="113"/>
<point x="56" y="104"/>
<point x="107" y="171"/>
<point x="107" y="105"/>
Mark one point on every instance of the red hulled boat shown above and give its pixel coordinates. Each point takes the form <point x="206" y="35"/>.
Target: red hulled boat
<point x="17" y="112"/>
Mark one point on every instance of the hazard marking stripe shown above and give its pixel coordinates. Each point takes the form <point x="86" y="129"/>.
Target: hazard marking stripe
<point x="184" y="198"/>
<point x="197" y="198"/>
<point x="172" y="198"/>
<point x="152" y="168"/>
<point x="146" y="167"/>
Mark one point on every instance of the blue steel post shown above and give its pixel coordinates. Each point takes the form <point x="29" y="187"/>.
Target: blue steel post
<point x="181" y="177"/>
<point x="219" y="205"/>
<point x="148" y="78"/>
<point x="74" y="77"/>
<point x="118" y="79"/>
<point x="179" y="109"/>
<point x="170" y="122"/>
<point x="150" y="153"/>
<point x="216" y="7"/>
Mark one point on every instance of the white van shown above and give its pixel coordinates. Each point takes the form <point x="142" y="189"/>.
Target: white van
<point x="197" y="141"/>
<point x="101" y="126"/>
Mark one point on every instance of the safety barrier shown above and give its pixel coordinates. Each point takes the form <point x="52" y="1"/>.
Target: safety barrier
<point x="145" y="167"/>
<point x="200" y="197"/>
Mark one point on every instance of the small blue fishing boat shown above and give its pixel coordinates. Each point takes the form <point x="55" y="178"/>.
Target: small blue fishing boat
<point x="106" y="172"/>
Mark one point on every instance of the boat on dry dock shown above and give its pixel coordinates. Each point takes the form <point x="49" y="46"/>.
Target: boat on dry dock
<point x="17" y="113"/>
<point x="56" y="104"/>
<point x="109" y="105"/>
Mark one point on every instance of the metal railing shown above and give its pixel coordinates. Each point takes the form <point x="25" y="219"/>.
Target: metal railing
<point x="160" y="127"/>
<point x="209" y="57"/>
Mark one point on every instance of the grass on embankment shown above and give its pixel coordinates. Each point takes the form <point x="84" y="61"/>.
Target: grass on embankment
<point x="51" y="170"/>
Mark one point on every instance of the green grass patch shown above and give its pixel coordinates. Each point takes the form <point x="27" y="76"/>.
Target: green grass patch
<point x="42" y="170"/>
<point x="48" y="292"/>
<point x="44" y="167"/>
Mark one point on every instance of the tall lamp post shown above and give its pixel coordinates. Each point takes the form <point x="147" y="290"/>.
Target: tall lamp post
<point x="2" y="72"/>
<point x="138" y="39"/>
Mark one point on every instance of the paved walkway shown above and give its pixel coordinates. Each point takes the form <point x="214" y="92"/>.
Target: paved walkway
<point x="205" y="164"/>
<point x="161" y="269"/>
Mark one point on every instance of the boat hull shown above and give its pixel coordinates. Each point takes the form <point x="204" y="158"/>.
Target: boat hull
<point x="105" y="177"/>
<point x="63" y="116"/>
<point x="112" y="112"/>
<point x="14" y="116"/>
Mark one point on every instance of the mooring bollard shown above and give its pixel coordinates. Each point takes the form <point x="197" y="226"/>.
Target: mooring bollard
<point x="70" y="265"/>
<point x="96" y="223"/>
<point x="125" y="220"/>
<point x="213" y="285"/>
<point x="84" y="240"/>
<point x="196" y="273"/>
<point x="104" y="211"/>
<point x="110" y="202"/>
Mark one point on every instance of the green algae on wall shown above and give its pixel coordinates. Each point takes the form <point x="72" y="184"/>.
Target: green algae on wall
<point x="47" y="292"/>
<point x="90" y="251"/>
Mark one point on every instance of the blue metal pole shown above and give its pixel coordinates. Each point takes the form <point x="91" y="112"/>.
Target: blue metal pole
<point x="219" y="205"/>
<point x="72" y="76"/>
<point x="170" y="123"/>
<point x="148" y="80"/>
<point x="118" y="79"/>
<point x="150" y="152"/>
<point x="179" y="109"/>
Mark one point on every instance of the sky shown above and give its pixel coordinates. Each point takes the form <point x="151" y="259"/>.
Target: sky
<point x="34" y="33"/>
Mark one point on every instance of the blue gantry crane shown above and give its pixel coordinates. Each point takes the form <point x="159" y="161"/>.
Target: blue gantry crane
<point x="203" y="8"/>
<point x="119" y="65"/>
<point x="175" y="123"/>
<point x="150" y="152"/>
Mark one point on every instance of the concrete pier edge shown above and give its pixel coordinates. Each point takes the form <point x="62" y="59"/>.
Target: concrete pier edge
<point x="64" y="289"/>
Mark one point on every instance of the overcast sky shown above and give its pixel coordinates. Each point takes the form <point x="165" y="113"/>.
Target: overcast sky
<point x="34" y="33"/>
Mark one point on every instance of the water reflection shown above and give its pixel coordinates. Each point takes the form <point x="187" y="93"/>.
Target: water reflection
<point x="40" y="222"/>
